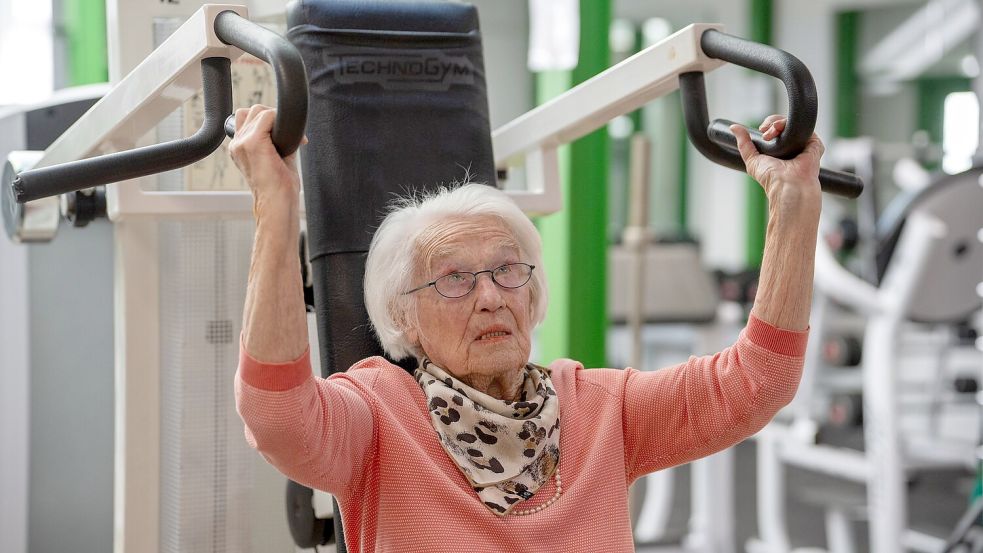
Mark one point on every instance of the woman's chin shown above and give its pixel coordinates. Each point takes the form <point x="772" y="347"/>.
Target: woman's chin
<point x="502" y="358"/>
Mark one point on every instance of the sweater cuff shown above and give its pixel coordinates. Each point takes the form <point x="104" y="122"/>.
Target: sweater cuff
<point x="778" y="340"/>
<point x="274" y="377"/>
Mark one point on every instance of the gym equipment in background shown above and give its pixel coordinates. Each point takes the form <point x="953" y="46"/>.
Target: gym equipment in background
<point x="33" y="127"/>
<point x="931" y="261"/>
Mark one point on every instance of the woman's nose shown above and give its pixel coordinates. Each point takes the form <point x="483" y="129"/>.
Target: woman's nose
<point x="489" y="295"/>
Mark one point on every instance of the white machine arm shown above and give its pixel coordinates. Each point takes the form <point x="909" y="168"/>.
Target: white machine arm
<point x="894" y="295"/>
<point x="535" y="136"/>
<point x="166" y="79"/>
<point x="158" y="86"/>
<point x="196" y="56"/>
<point x="842" y="285"/>
<point x="679" y="61"/>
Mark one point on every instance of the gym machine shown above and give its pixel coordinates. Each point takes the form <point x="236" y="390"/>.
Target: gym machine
<point x="150" y="225"/>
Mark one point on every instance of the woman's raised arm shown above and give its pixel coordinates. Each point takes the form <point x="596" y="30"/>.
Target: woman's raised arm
<point x="784" y="294"/>
<point x="682" y="413"/>
<point x="317" y="432"/>
<point x="274" y="325"/>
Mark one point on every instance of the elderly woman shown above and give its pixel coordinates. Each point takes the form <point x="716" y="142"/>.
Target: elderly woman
<point x="480" y="449"/>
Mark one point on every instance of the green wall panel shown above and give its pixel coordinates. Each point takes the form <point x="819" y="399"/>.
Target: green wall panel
<point x="85" y="27"/>
<point x="762" y="12"/>
<point x="847" y="82"/>
<point x="574" y="240"/>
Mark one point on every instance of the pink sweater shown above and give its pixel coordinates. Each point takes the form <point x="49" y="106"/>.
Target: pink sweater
<point x="365" y="436"/>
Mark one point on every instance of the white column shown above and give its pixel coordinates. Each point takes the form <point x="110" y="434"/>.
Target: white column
<point x="136" y="502"/>
<point x="716" y="204"/>
<point x="14" y="394"/>
<point x="807" y="30"/>
<point x="136" y="506"/>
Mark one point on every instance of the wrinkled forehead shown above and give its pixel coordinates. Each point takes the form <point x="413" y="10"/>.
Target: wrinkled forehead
<point x="457" y="238"/>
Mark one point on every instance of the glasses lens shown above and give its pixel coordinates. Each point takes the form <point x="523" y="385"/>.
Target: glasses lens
<point x="454" y="285"/>
<point x="512" y="275"/>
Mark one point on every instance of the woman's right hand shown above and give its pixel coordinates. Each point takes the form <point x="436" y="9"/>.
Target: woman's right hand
<point x="271" y="178"/>
<point x="274" y="326"/>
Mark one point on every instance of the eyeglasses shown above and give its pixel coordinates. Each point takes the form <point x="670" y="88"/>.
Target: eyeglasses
<point x="460" y="283"/>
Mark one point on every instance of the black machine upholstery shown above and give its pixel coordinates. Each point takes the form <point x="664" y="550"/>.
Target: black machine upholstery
<point x="397" y="103"/>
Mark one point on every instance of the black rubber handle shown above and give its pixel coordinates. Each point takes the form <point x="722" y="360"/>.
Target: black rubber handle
<point x="288" y="69"/>
<point x="803" y="103"/>
<point x="718" y="144"/>
<point x="139" y="162"/>
<point x="288" y="130"/>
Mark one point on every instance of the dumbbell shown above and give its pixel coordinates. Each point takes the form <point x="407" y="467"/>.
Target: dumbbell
<point x="846" y="411"/>
<point x="844" y="237"/>
<point x="842" y="351"/>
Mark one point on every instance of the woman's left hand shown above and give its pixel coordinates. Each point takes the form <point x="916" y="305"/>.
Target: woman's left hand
<point x="794" y="201"/>
<point x="789" y="184"/>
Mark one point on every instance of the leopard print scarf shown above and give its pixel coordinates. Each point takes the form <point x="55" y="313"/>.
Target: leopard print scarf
<point x="506" y="449"/>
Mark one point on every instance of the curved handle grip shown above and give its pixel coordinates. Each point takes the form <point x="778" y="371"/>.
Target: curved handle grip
<point x="288" y="131"/>
<point x="139" y="162"/>
<point x="803" y="103"/>
<point x="288" y="69"/>
<point x="718" y="144"/>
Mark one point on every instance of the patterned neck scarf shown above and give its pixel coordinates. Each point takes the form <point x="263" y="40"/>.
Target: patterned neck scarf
<point x="506" y="449"/>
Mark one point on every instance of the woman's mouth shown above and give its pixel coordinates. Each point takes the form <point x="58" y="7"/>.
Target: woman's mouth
<point x="492" y="335"/>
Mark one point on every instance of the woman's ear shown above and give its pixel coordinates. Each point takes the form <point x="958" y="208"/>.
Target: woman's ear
<point x="412" y="335"/>
<point x="533" y="296"/>
<point x="408" y="329"/>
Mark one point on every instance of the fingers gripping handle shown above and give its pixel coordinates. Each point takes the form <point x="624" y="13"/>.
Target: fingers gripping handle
<point x="717" y="143"/>
<point x="230" y="126"/>
<point x="288" y="69"/>
<point x="839" y="183"/>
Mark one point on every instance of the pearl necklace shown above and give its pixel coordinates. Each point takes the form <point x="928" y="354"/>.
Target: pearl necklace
<point x="550" y="501"/>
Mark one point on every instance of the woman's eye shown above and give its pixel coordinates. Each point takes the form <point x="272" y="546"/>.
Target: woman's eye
<point x="455" y="277"/>
<point x="503" y="270"/>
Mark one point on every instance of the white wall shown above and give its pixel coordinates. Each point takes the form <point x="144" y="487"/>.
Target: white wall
<point x="14" y="393"/>
<point x="807" y="30"/>
<point x="505" y="37"/>
<point x="718" y="196"/>
<point x="25" y="50"/>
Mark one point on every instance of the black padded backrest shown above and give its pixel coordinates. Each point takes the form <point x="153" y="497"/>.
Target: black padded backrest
<point x="397" y="103"/>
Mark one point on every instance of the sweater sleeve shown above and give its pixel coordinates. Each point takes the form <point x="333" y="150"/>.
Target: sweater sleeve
<point x="707" y="404"/>
<point x="317" y="432"/>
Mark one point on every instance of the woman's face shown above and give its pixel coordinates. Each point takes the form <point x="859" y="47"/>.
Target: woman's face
<point x="487" y="332"/>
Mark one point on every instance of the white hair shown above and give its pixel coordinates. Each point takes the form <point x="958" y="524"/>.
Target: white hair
<point x="394" y="256"/>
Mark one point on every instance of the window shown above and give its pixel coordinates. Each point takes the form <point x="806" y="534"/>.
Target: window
<point x="960" y="131"/>
<point x="26" y="58"/>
